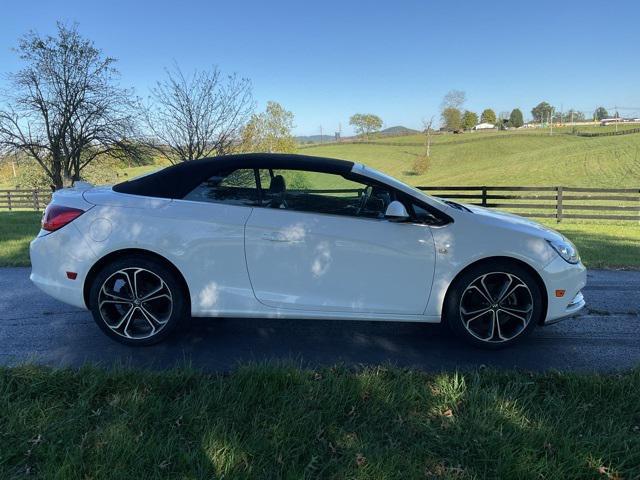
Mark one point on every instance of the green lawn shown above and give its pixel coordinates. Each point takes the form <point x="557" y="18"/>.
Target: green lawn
<point x="17" y="229"/>
<point x="284" y="422"/>
<point x="601" y="245"/>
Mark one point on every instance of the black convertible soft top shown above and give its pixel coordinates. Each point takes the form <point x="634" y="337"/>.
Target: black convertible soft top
<point x="178" y="180"/>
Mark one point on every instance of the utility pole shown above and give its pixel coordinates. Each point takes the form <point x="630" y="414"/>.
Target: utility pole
<point x="551" y="121"/>
<point x="321" y="135"/>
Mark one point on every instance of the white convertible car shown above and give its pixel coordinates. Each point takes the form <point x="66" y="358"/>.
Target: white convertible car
<point x="289" y="236"/>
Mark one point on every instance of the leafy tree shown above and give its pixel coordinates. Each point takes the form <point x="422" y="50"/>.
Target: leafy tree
<point x="515" y="118"/>
<point x="488" y="116"/>
<point x="601" y="113"/>
<point x="365" y="123"/>
<point x="269" y="131"/>
<point x="64" y="109"/>
<point x="541" y="112"/>
<point x="469" y="120"/>
<point x="197" y="116"/>
<point x="451" y="119"/>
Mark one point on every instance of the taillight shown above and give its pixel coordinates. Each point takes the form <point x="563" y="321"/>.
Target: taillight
<point x="57" y="216"/>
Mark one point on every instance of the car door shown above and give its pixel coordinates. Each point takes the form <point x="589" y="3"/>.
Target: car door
<point x="317" y="252"/>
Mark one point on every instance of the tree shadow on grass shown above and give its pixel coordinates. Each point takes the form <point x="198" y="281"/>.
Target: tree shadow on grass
<point x="277" y="421"/>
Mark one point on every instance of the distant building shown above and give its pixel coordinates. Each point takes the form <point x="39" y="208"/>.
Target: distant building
<point x="609" y="121"/>
<point x="484" y="126"/>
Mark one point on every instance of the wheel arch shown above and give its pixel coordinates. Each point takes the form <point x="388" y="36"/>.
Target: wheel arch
<point x="103" y="261"/>
<point x="532" y="271"/>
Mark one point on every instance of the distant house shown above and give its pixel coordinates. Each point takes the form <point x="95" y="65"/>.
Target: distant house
<point x="609" y="121"/>
<point x="484" y="126"/>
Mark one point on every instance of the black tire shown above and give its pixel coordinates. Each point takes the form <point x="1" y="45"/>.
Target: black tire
<point x="481" y="329"/>
<point x="151" y="320"/>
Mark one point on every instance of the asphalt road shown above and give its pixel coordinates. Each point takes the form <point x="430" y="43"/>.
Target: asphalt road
<point x="603" y="337"/>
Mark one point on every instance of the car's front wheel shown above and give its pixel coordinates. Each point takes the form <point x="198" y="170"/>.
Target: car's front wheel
<point x="493" y="305"/>
<point x="137" y="300"/>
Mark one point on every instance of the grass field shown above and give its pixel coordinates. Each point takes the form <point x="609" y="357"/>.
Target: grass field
<point x="601" y="245"/>
<point x="283" y="422"/>
<point x="502" y="158"/>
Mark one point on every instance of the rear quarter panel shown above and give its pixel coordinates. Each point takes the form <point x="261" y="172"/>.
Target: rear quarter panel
<point x="204" y="241"/>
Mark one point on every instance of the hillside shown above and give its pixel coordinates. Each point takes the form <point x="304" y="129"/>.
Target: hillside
<point x="530" y="158"/>
<point x="302" y="139"/>
<point x="398" y="130"/>
<point x="502" y="158"/>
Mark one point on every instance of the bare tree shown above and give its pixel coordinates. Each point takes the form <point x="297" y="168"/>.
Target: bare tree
<point x="195" y="117"/>
<point x="428" y="133"/>
<point x="453" y="99"/>
<point x="64" y="109"/>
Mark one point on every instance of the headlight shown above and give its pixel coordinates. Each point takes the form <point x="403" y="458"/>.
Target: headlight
<point x="566" y="250"/>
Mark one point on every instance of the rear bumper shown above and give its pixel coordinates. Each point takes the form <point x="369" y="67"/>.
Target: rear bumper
<point x="560" y="275"/>
<point x="55" y="254"/>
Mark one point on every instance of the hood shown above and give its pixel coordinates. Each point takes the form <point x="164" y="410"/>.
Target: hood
<point x="513" y="222"/>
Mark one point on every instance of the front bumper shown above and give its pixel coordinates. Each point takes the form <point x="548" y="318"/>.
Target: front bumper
<point x="560" y="275"/>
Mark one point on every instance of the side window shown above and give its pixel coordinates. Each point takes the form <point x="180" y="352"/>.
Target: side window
<point x="319" y="192"/>
<point x="236" y="187"/>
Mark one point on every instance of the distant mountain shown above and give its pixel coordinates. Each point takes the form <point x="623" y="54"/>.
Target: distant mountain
<point x="314" y="139"/>
<point x="398" y="130"/>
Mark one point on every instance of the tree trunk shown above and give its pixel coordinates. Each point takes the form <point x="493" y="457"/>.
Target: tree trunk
<point x="67" y="178"/>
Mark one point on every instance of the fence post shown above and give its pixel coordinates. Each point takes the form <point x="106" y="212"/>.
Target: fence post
<point x="484" y="196"/>
<point x="558" y="204"/>
<point x="34" y="194"/>
<point x="9" y="200"/>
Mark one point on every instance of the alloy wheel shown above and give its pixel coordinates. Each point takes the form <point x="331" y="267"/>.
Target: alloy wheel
<point x="496" y="307"/>
<point x="135" y="303"/>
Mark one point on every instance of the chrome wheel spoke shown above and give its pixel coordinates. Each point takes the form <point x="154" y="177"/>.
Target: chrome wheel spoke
<point x="115" y="297"/>
<point x="131" y="282"/>
<point x="511" y="291"/>
<point x="153" y="321"/>
<point x="157" y="297"/>
<point x="481" y="292"/>
<point x="473" y="312"/>
<point x="522" y="319"/>
<point x="152" y="293"/>
<point x="503" y="291"/>
<point x="516" y="310"/>
<point x="125" y="318"/>
<point x="116" y="302"/>
<point x="487" y="294"/>
<point x="478" y="316"/>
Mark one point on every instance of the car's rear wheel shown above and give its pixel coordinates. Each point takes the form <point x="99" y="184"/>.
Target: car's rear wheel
<point x="137" y="300"/>
<point x="494" y="305"/>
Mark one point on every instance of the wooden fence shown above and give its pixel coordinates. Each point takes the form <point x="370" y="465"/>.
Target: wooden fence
<point x="550" y="202"/>
<point x="622" y="131"/>
<point x="24" y="199"/>
<point x="542" y="202"/>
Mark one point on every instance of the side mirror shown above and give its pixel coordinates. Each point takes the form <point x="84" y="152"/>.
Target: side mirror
<point x="396" y="212"/>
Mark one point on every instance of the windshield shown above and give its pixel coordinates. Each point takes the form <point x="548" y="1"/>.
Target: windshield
<point x="397" y="183"/>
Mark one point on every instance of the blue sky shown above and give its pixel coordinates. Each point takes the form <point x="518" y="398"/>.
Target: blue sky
<point x="327" y="60"/>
